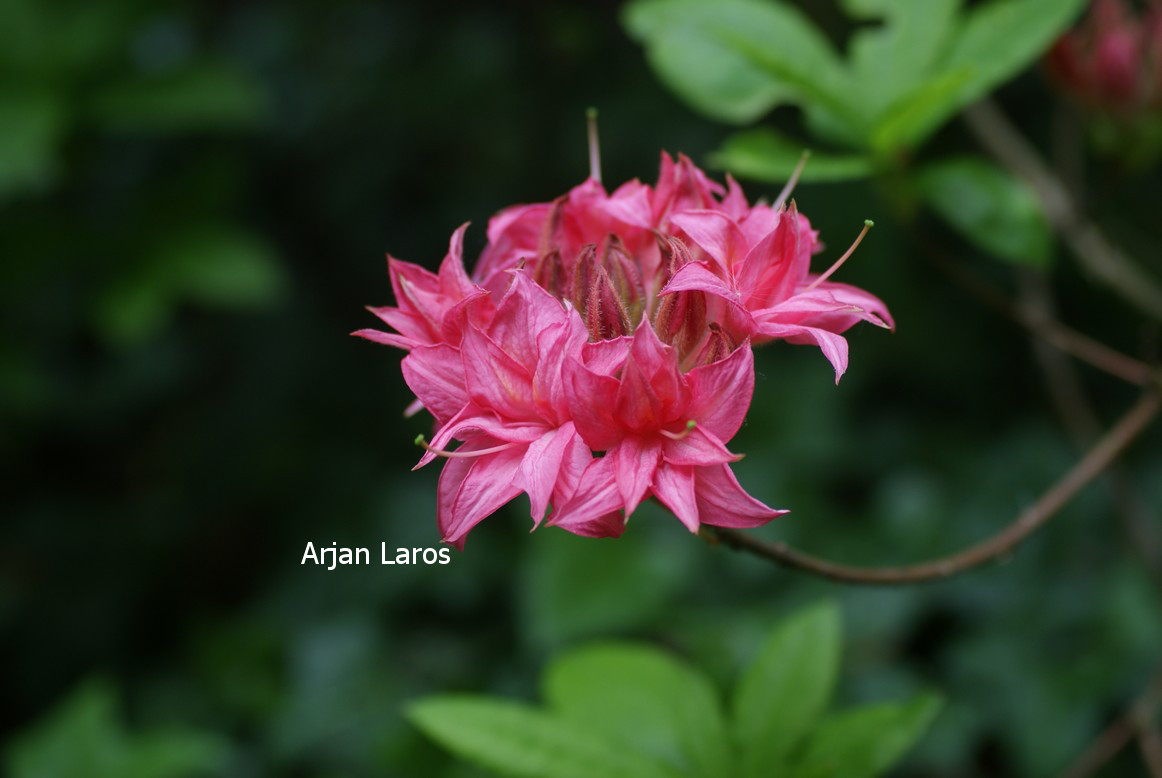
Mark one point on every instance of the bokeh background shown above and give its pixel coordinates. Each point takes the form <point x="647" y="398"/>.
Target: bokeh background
<point x="195" y="203"/>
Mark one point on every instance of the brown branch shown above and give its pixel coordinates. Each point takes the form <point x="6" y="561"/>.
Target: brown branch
<point x="1136" y="720"/>
<point x="1097" y="459"/>
<point x="1044" y="326"/>
<point x="1077" y="415"/>
<point x="1104" y="260"/>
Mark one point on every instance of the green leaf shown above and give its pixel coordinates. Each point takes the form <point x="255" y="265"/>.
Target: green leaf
<point x="864" y="742"/>
<point x="893" y="58"/>
<point x="219" y="265"/>
<point x="519" y="740"/>
<point x="33" y="125"/>
<point x="83" y="739"/>
<point x="998" y="40"/>
<point x="644" y="700"/>
<point x="918" y="114"/>
<point x="737" y="59"/>
<point x="995" y="211"/>
<point x="766" y="155"/>
<point x="206" y="96"/>
<point x="785" y="690"/>
<point x="576" y="587"/>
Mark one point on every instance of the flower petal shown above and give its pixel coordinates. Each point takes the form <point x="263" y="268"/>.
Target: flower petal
<point x="674" y="485"/>
<point x="592" y="398"/>
<point x="715" y="233"/>
<point x="634" y="460"/>
<point x="720" y="393"/>
<point x="541" y="466"/>
<point x="834" y="346"/>
<point x="487" y="483"/>
<point x="435" y="374"/>
<point x="596" y="496"/>
<point x="723" y="503"/>
<point x="494" y="379"/>
<point x="697" y="447"/>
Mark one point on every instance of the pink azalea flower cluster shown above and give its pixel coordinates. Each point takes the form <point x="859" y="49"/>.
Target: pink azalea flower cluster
<point x="600" y="354"/>
<point x="1113" y="60"/>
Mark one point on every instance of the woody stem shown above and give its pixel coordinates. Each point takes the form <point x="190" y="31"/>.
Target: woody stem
<point x="1103" y="452"/>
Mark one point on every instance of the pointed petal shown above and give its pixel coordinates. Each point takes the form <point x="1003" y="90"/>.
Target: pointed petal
<point x="715" y="233"/>
<point x="674" y="486"/>
<point x="435" y="374"/>
<point x="834" y="346"/>
<point x="698" y="277"/>
<point x="488" y="483"/>
<point x="494" y="379"/>
<point x="541" y="466"/>
<point x="592" y="399"/>
<point x="630" y="204"/>
<point x="606" y="357"/>
<point x="634" y="460"/>
<point x="386" y="338"/>
<point x="596" y="496"/>
<point x="720" y="393"/>
<point x="723" y="503"/>
<point x="697" y="447"/>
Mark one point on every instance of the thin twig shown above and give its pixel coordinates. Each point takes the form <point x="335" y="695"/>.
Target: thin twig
<point x="1073" y="406"/>
<point x="1103" y="259"/>
<point x="1047" y="328"/>
<point x="1136" y="718"/>
<point x="1097" y="459"/>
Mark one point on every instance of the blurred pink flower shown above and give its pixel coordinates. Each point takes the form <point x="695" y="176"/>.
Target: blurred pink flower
<point x="1113" y="60"/>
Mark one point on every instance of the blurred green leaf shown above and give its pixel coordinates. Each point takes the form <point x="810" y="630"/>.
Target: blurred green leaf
<point x="737" y="59"/>
<point x="766" y="155"/>
<point x="219" y="265"/>
<point x="917" y="114"/>
<point x="60" y="41"/>
<point x="580" y="587"/>
<point x="644" y="700"/>
<point x="83" y="739"/>
<point x="864" y="742"/>
<point x="33" y="123"/>
<point x="988" y="206"/>
<point x="205" y="96"/>
<point x="519" y="740"/>
<point x="132" y="311"/>
<point x="891" y="59"/>
<point x="1001" y="38"/>
<point x="785" y="690"/>
<point x="214" y="264"/>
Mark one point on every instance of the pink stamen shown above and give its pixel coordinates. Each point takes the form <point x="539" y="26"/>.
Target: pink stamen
<point x="690" y="425"/>
<point x="867" y="225"/>
<point x="460" y="454"/>
<point x="794" y="179"/>
<point x="594" y="148"/>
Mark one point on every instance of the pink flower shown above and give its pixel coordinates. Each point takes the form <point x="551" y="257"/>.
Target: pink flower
<point x="504" y="382"/>
<point x="663" y="433"/>
<point x="760" y="266"/>
<point x="432" y="307"/>
<point x="602" y="355"/>
<point x="1113" y="60"/>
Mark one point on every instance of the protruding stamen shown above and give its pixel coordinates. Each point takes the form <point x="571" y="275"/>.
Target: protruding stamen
<point x="594" y="148"/>
<point x="867" y="225"/>
<point x="793" y="180"/>
<point x="460" y="454"/>
<point x="690" y="425"/>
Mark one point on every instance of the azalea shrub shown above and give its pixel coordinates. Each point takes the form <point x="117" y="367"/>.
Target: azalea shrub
<point x="601" y="352"/>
